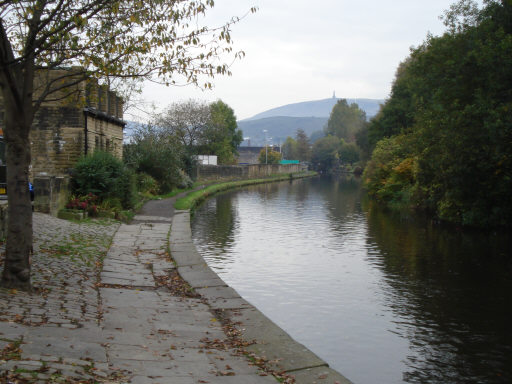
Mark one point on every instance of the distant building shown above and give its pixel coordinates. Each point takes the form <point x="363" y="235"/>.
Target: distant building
<point x="207" y="160"/>
<point x="250" y="155"/>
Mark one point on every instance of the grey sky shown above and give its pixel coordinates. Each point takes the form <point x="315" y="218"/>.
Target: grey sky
<point x="299" y="50"/>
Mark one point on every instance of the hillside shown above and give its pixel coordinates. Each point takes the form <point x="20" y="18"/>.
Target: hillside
<point x="279" y="128"/>
<point x="284" y="121"/>
<point x="319" y="108"/>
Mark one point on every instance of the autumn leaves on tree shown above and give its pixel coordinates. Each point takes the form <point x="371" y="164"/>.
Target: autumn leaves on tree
<point x="113" y="41"/>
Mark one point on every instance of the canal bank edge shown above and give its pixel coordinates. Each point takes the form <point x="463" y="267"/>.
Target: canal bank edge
<point x="281" y="351"/>
<point x="194" y="198"/>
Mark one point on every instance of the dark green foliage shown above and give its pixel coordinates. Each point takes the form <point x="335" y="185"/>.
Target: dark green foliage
<point x="345" y="121"/>
<point x="349" y="153"/>
<point x="222" y="136"/>
<point x="452" y="103"/>
<point x="325" y="155"/>
<point x="303" y="146"/>
<point x="298" y="148"/>
<point x="104" y="175"/>
<point x="363" y="143"/>
<point x="391" y="174"/>
<point x="289" y="149"/>
<point x="158" y="154"/>
<point x="147" y="184"/>
<point x="397" y="114"/>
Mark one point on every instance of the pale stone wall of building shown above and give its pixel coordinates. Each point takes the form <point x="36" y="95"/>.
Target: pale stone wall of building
<point x="75" y="122"/>
<point x="104" y="136"/>
<point x="57" y="140"/>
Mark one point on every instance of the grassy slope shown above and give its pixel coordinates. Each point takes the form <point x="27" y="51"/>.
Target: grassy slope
<point x="194" y="198"/>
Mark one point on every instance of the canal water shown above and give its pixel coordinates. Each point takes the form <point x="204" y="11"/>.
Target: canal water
<point x="381" y="297"/>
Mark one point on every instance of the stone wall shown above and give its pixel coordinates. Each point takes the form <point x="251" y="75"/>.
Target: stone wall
<point x="71" y="123"/>
<point x="57" y="140"/>
<point x="253" y="171"/>
<point x="51" y="193"/>
<point x="104" y="134"/>
<point x="251" y="155"/>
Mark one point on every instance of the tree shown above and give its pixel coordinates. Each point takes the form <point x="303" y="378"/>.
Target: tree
<point x="303" y="146"/>
<point x="104" y="39"/>
<point x="315" y="136"/>
<point x="202" y="129"/>
<point x="348" y="153"/>
<point x="345" y="120"/>
<point x="289" y="149"/>
<point x="325" y="156"/>
<point x="397" y="115"/>
<point x="363" y="143"/>
<point x="222" y="136"/>
<point x="269" y="156"/>
<point x="155" y="152"/>
<point x="452" y="154"/>
<point x="187" y="121"/>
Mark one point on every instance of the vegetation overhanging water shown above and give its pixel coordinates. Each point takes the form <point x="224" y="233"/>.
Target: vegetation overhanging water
<point x="380" y="297"/>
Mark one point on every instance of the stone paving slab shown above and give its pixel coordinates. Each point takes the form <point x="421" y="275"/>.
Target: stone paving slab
<point x="94" y="325"/>
<point x="200" y="276"/>
<point x="228" y="303"/>
<point x="216" y="293"/>
<point x="274" y="343"/>
<point x="283" y="353"/>
<point x="64" y="347"/>
<point x="152" y="218"/>
<point x="186" y="255"/>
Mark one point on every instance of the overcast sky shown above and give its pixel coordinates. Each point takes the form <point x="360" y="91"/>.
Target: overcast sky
<point x="301" y="50"/>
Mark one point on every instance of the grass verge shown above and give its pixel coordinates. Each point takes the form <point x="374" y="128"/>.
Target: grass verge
<point x="194" y="198"/>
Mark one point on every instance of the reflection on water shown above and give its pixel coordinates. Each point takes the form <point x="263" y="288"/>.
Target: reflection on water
<point x="381" y="298"/>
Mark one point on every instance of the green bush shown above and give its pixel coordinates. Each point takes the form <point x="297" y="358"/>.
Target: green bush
<point x="104" y="175"/>
<point x="186" y="181"/>
<point x="390" y="175"/>
<point x="111" y="204"/>
<point x="147" y="184"/>
<point x="157" y="154"/>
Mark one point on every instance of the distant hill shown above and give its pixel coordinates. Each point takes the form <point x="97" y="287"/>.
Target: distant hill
<point x="279" y="128"/>
<point x="284" y="121"/>
<point x="319" y="108"/>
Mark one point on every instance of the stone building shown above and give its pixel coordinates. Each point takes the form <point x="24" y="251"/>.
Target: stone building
<point x="88" y="117"/>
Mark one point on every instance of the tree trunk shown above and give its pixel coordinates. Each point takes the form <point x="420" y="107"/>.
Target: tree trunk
<point x="16" y="273"/>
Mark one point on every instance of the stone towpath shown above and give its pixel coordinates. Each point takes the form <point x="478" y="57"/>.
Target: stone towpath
<point x="133" y="319"/>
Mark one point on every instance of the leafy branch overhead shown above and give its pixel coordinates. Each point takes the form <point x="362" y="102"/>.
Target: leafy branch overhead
<point x="161" y="40"/>
<point x="49" y="47"/>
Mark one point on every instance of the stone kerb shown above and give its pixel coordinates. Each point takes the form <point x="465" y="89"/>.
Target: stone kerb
<point x="281" y="350"/>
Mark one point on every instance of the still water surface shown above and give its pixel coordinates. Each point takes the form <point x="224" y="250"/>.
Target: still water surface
<point x="381" y="298"/>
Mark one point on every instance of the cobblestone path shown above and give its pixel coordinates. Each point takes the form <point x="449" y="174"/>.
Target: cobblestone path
<point x="106" y="308"/>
